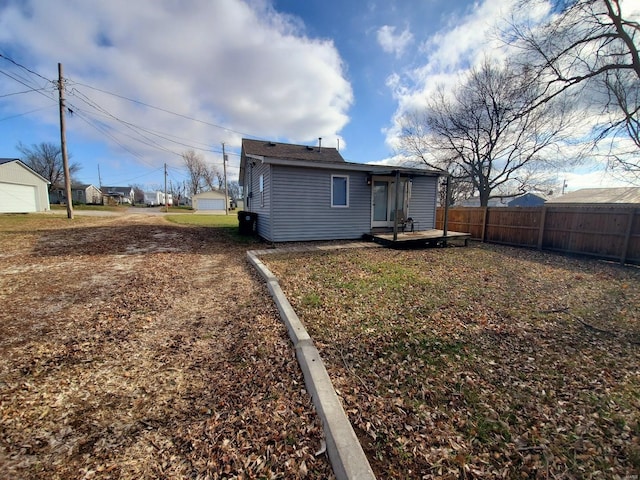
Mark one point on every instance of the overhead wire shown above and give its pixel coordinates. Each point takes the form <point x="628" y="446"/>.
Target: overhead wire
<point x="142" y="133"/>
<point x="166" y="110"/>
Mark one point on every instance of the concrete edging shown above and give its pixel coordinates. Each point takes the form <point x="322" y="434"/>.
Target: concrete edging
<point x="345" y="452"/>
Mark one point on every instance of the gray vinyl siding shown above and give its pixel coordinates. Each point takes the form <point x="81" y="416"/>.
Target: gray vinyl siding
<point x="422" y="205"/>
<point x="301" y="199"/>
<point x="255" y="203"/>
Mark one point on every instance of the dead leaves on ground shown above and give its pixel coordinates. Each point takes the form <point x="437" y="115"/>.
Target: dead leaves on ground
<point x="483" y="362"/>
<point x="132" y="348"/>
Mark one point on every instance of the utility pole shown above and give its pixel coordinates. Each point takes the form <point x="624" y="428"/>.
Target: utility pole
<point x="63" y="145"/>
<point x="99" y="178"/>
<point x="166" y="199"/>
<point x="224" y="169"/>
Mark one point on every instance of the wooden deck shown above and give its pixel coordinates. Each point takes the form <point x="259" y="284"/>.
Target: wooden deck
<point x="425" y="238"/>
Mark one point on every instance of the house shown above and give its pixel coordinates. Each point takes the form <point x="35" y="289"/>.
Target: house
<point x="80" y="193"/>
<point x="303" y="193"/>
<point x="209" y="202"/>
<point x="621" y="196"/>
<point x="527" y="200"/>
<point x="21" y="189"/>
<point x="117" y="195"/>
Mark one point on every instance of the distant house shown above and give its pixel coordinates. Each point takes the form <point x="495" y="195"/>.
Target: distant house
<point x="621" y="196"/>
<point x="21" y="189"/>
<point x="209" y="202"/>
<point x="527" y="200"/>
<point x="118" y="195"/>
<point x="80" y="193"/>
<point x="302" y="193"/>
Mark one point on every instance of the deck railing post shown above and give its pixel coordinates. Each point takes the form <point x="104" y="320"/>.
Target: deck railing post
<point x="447" y="200"/>
<point x="395" y="217"/>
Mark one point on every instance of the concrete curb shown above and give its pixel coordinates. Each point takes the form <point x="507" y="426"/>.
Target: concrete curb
<point x="345" y="452"/>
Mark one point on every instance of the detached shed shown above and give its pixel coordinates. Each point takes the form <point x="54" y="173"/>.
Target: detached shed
<point x="209" y="202"/>
<point x="21" y="189"/>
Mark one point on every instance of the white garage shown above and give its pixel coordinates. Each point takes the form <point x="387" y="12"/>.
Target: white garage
<point x="21" y="189"/>
<point x="209" y="202"/>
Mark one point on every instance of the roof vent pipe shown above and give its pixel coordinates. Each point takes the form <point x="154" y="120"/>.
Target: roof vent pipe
<point x="319" y="143"/>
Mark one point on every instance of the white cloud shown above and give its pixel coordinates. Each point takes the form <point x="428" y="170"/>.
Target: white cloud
<point x="228" y="62"/>
<point x="392" y="43"/>
<point x="462" y="43"/>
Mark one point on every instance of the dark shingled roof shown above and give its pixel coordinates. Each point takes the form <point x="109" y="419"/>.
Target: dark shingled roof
<point x="288" y="151"/>
<point x="8" y="160"/>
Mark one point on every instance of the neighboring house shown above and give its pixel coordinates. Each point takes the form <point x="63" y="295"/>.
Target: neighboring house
<point x="475" y="202"/>
<point x="117" y="195"/>
<point x="622" y="196"/>
<point x="303" y="193"/>
<point x="21" y="189"/>
<point x="209" y="202"/>
<point x="527" y="200"/>
<point x="80" y="193"/>
<point x="156" y="198"/>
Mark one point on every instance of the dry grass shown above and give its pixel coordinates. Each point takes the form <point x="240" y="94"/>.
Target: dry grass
<point x="134" y="348"/>
<point x="479" y="362"/>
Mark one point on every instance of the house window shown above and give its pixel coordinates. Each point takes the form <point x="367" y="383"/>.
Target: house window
<point x="262" y="190"/>
<point x="339" y="191"/>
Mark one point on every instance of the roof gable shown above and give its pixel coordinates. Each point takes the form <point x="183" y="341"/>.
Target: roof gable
<point x="4" y="161"/>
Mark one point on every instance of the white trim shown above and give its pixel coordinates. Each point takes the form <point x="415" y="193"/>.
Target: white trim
<point x="346" y="177"/>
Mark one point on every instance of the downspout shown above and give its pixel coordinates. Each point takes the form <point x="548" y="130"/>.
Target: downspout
<point x="395" y="217"/>
<point x="249" y="204"/>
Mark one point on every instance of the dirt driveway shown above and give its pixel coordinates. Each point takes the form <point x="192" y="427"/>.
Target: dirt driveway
<point x="131" y="347"/>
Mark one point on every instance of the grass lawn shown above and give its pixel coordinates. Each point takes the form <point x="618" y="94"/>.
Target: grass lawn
<point x="485" y="361"/>
<point x="109" y="208"/>
<point x="204" y="220"/>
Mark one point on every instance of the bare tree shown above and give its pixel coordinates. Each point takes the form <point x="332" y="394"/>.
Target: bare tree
<point x="138" y="193"/>
<point x="235" y="192"/>
<point x="46" y="160"/>
<point x="485" y="135"/>
<point x="197" y="169"/>
<point x="213" y="178"/>
<point x="591" y="45"/>
<point x="201" y="176"/>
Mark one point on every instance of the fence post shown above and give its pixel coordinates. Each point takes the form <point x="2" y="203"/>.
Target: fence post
<point x="485" y="216"/>
<point x="543" y="219"/>
<point x="627" y="236"/>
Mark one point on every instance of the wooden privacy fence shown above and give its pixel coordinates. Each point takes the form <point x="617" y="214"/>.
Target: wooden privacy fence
<point x="603" y="231"/>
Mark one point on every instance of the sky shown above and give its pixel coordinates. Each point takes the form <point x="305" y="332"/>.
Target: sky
<point x="146" y="81"/>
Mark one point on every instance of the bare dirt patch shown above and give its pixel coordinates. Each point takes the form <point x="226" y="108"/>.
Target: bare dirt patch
<point x="134" y="348"/>
<point x="479" y="362"/>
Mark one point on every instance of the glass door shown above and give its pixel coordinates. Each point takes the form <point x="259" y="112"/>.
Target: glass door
<point x="380" y="203"/>
<point x="383" y="201"/>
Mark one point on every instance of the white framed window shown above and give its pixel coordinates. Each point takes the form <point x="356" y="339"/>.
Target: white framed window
<point x="262" y="190"/>
<point x="339" y="191"/>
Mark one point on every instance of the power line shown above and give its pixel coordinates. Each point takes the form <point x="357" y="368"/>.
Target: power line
<point x="25" y="113"/>
<point x="167" y="111"/>
<point x="37" y="90"/>
<point x="20" y="93"/>
<point x="26" y="68"/>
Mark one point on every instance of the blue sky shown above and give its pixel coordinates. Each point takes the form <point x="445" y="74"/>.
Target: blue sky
<point x="149" y="79"/>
